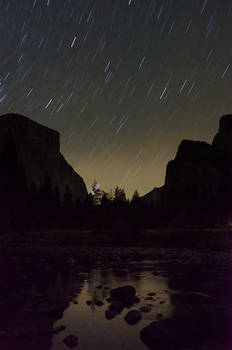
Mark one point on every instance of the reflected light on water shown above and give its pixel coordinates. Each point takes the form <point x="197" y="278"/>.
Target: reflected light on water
<point x="89" y="324"/>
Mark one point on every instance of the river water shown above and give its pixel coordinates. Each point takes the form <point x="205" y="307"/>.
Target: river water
<point x="89" y="322"/>
<point x="190" y="300"/>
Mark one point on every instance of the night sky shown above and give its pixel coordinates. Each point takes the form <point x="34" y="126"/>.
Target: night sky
<point x="122" y="81"/>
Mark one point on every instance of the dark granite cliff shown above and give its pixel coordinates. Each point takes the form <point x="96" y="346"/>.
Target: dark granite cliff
<point x="38" y="149"/>
<point x="223" y="140"/>
<point x="198" y="180"/>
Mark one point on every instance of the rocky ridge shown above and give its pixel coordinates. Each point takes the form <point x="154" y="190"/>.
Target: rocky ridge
<point x="38" y="149"/>
<point x="199" y="174"/>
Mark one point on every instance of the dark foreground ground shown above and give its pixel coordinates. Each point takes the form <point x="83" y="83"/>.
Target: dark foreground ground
<point x="42" y="279"/>
<point x="208" y="239"/>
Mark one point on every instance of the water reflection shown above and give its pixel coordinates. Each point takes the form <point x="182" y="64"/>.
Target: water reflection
<point x="33" y="297"/>
<point x="89" y="322"/>
<point x="37" y="297"/>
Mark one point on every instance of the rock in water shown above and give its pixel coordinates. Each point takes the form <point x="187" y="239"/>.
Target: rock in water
<point x="119" y="298"/>
<point x="38" y="150"/>
<point x="117" y="306"/>
<point x="57" y="329"/>
<point x="71" y="341"/>
<point x="153" y="336"/>
<point x="149" y="298"/>
<point x="145" y="309"/>
<point x="133" y="317"/>
<point x="189" y="328"/>
<point x="125" y="294"/>
<point x="109" y="314"/>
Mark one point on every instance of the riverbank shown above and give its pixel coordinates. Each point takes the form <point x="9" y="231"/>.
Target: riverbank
<point x="219" y="239"/>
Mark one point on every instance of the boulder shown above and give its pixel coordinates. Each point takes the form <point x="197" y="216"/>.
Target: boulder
<point x="125" y="294"/>
<point x="109" y="314"/>
<point x="154" y="336"/>
<point x="149" y="298"/>
<point x="145" y="309"/>
<point x="115" y="308"/>
<point x="116" y="305"/>
<point x="71" y="341"/>
<point x="98" y="303"/>
<point x="133" y="317"/>
<point x="188" y="327"/>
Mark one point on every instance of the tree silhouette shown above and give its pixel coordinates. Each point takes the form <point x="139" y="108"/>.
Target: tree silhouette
<point x="97" y="193"/>
<point x="135" y="197"/>
<point x="105" y="201"/>
<point x="119" y="196"/>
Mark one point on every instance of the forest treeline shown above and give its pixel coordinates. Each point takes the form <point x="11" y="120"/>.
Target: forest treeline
<point x="28" y="207"/>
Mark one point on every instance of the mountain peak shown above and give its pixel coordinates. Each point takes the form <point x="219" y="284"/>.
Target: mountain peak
<point x="21" y="120"/>
<point x="226" y="124"/>
<point x="223" y="140"/>
<point x="38" y="149"/>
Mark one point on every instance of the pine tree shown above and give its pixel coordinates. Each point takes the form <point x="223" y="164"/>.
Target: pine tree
<point x="119" y="196"/>
<point x="135" y="197"/>
<point x="97" y="193"/>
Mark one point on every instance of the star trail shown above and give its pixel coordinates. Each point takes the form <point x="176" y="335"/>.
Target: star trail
<point x="123" y="81"/>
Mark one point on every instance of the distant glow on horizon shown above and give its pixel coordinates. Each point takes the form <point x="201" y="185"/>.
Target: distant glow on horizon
<point x="118" y="77"/>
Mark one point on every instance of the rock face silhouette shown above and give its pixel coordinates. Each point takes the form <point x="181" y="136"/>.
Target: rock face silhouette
<point x="223" y="139"/>
<point x="198" y="180"/>
<point x="38" y="149"/>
